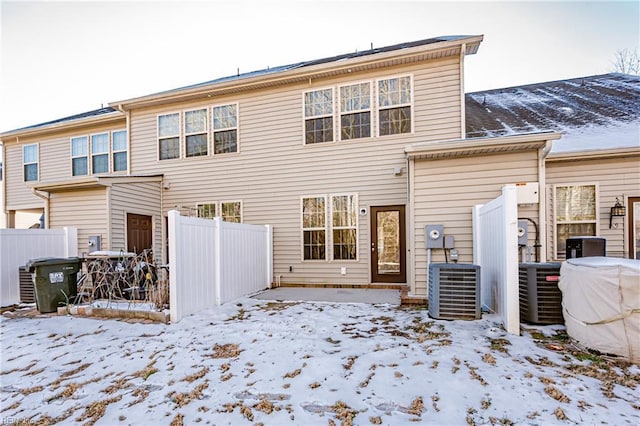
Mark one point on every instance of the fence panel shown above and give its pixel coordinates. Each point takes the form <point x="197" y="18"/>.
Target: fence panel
<point x="245" y="252"/>
<point x="495" y="248"/>
<point x="212" y="262"/>
<point x="18" y="246"/>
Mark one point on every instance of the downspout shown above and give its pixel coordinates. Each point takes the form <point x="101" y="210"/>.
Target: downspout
<point x="411" y="279"/>
<point x="46" y="199"/>
<point x="463" y="112"/>
<point x="542" y="205"/>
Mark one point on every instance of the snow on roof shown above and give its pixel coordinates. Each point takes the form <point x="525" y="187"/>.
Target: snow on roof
<point x="596" y="112"/>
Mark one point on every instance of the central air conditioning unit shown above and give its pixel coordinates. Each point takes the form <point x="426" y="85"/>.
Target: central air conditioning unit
<point x="27" y="291"/>
<point x="540" y="297"/>
<point x="454" y="291"/>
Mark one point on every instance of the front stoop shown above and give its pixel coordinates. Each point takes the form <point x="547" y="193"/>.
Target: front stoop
<point x="124" y="314"/>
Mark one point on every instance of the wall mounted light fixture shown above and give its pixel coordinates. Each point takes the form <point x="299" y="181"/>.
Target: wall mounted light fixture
<point x="617" y="210"/>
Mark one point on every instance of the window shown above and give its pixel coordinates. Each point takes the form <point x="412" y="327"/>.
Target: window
<point x="30" y="162"/>
<point x="318" y="116"/>
<point x="195" y="129"/>
<point x="343" y="209"/>
<point x="169" y="136"/>
<point x="313" y="228"/>
<point x="355" y="114"/>
<point x="100" y="153"/>
<point x="79" y="156"/>
<point x="225" y="129"/>
<point x="575" y="213"/>
<point x="231" y="211"/>
<point x="207" y="211"/>
<point x="119" y="150"/>
<point x="342" y="228"/>
<point x="394" y="106"/>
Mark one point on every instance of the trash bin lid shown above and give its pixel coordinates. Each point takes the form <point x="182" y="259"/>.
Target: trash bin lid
<point x="44" y="261"/>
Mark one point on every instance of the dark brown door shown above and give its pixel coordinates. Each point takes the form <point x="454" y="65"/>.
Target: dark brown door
<point x="388" y="263"/>
<point x="634" y="228"/>
<point x="139" y="233"/>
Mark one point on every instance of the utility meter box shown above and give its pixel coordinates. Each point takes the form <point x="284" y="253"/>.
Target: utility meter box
<point x="527" y="192"/>
<point x="434" y="236"/>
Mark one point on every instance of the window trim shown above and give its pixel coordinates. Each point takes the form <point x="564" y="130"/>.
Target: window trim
<point x="179" y="135"/>
<point x="91" y="154"/>
<point x="183" y="129"/>
<point x="596" y="221"/>
<point x="340" y="113"/>
<point x="334" y="139"/>
<point x="112" y="151"/>
<point x="213" y="129"/>
<point x="212" y="203"/>
<point x="411" y="104"/>
<point x="233" y="201"/>
<point x="37" y="162"/>
<point x="87" y="156"/>
<point x="328" y="227"/>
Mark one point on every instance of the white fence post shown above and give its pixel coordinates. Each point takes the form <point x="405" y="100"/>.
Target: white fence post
<point x="269" y="259"/>
<point x="174" y="297"/>
<point x="217" y="278"/>
<point x="71" y="245"/>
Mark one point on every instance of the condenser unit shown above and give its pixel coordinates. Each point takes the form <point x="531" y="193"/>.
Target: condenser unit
<point x="540" y="297"/>
<point x="454" y="291"/>
<point x="27" y="292"/>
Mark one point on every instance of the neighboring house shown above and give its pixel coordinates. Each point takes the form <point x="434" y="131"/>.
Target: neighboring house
<point x="596" y="162"/>
<point x="347" y="157"/>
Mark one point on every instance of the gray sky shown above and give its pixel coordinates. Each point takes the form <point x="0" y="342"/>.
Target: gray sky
<point x="63" y="58"/>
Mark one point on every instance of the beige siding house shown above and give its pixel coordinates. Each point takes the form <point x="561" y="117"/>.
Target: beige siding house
<point x="348" y="158"/>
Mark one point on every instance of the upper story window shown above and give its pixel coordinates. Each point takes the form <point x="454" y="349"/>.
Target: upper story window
<point x="79" y="156"/>
<point x="355" y="111"/>
<point x="575" y="214"/>
<point x="394" y="106"/>
<point x="231" y="211"/>
<point x="318" y="116"/>
<point x="119" y="150"/>
<point x="100" y="153"/>
<point x="30" y="162"/>
<point x="195" y="130"/>
<point x="169" y="136"/>
<point x="207" y="211"/>
<point x="225" y="128"/>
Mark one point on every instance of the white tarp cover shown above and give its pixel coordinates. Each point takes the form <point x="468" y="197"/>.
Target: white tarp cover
<point x="601" y="304"/>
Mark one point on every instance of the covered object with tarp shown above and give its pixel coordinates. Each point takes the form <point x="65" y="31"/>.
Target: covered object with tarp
<point x="601" y="304"/>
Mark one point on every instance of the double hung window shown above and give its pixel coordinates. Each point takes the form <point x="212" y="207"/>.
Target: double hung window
<point x="575" y="212"/>
<point x="329" y="227"/>
<point x="169" y="136"/>
<point x="355" y="111"/>
<point x="225" y="128"/>
<point x="80" y="156"/>
<point x="100" y="153"/>
<point x="318" y="116"/>
<point x="195" y="129"/>
<point x="119" y="150"/>
<point x="30" y="162"/>
<point x="394" y="106"/>
<point x="229" y="211"/>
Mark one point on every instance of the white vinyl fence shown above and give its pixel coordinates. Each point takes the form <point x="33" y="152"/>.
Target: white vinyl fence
<point x="495" y="249"/>
<point x="18" y="246"/>
<point x="212" y="262"/>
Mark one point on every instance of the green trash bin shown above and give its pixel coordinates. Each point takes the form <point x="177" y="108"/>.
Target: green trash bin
<point x="55" y="281"/>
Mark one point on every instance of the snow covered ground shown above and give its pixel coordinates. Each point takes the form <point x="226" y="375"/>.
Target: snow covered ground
<point x="274" y="363"/>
